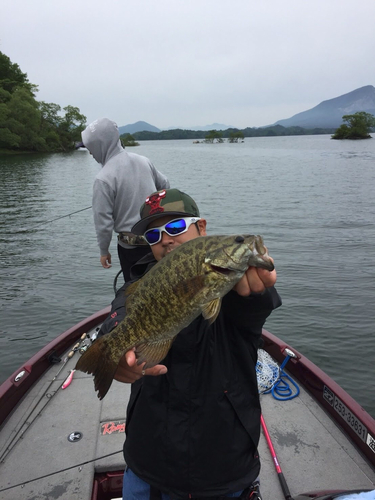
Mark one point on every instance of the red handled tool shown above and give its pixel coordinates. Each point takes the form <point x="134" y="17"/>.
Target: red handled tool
<point x="280" y="474"/>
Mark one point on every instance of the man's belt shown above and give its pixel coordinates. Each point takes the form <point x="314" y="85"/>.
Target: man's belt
<point x="132" y="239"/>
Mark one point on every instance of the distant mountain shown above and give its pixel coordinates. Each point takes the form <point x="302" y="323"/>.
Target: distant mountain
<point x="213" y="126"/>
<point x="138" y="127"/>
<point x="328" y="114"/>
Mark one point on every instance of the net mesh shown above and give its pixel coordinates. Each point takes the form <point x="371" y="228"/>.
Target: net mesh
<point x="267" y="371"/>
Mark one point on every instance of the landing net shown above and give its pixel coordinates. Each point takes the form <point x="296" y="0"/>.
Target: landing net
<point x="272" y="378"/>
<point x="267" y="371"/>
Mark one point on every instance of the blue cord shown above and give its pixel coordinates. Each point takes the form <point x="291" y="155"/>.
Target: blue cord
<point x="281" y="389"/>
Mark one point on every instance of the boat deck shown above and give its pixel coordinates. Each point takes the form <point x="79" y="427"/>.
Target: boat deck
<point x="312" y="451"/>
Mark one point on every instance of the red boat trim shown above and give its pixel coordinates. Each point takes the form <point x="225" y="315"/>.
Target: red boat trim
<point x="107" y="485"/>
<point x="356" y="423"/>
<point x="12" y="390"/>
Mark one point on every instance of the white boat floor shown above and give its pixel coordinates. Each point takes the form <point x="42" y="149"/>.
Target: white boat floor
<point x="44" y="464"/>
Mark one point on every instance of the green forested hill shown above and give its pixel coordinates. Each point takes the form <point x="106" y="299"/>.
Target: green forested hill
<point x="247" y="132"/>
<point x="30" y="125"/>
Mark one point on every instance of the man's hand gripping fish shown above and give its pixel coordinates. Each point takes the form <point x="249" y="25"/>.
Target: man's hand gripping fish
<point x="187" y="282"/>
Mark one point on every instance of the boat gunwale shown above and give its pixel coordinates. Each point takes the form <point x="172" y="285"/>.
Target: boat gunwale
<point x="11" y="392"/>
<point x="314" y="380"/>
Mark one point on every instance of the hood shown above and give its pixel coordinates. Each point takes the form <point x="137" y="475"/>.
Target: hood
<point x="142" y="266"/>
<point x="102" y="139"/>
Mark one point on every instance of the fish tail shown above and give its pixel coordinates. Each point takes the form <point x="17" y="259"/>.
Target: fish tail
<point x="97" y="361"/>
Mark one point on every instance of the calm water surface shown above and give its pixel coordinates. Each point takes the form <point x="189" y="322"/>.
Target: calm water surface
<point x="310" y="197"/>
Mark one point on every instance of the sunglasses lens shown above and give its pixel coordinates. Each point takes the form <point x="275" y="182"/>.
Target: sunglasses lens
<point x="173" y="228"/>
<point x="176" y="226"/>
<point x="152" y="236"/>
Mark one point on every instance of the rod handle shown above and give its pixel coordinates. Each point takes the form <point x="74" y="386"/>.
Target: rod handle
<point x="73" y="350"/>
<point x="284" y="487"/>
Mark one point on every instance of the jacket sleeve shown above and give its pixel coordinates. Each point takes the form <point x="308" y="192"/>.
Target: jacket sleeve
<point x="161" y="181"/>
<point x="117" y="314"/>
<point x="102" y="208"/>
<point x="118" y="305"/>
<point x="251" y="311"/>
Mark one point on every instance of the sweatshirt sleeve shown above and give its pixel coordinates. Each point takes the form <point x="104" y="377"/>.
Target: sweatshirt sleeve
<point x="252" y="310"/>
<point x="161" y="181"/>
<point x="102" y="207"/>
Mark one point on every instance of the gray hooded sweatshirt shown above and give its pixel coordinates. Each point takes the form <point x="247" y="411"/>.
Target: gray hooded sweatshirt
<point x="122" y="185"/>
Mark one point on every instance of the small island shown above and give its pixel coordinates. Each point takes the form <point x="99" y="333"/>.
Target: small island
<point x="357" y="126"/>
<point x="127" y="140"/>
<point x="234" y="136"/>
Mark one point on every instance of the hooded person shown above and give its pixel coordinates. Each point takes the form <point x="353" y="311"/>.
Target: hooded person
<point x="119" y="190"/>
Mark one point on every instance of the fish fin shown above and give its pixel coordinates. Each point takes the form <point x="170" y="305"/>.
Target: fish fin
<point x="97" y="360"/>
<point x="152" y="352"/>
<point x="211" y="310"/>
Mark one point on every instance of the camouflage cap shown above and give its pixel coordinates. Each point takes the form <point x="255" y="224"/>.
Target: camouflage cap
<point x="162" y="203"/>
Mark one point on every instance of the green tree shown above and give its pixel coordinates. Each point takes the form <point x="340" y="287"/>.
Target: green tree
<point x="235" y="136"/>
<point x="357" y="126"/>
<point x="128" y="140"/>
<point x="49" y="124"/>
<point x="29" y="125"/>
<point x="212" y="135"/>
<point x="23" y="121"/>
<point x="11" y="75"/>
<point x="50" y="114"/>
<point x="70" y="127"/>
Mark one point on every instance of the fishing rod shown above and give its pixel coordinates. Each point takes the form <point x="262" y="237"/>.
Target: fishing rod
<point x="62" y="470"/>
<point x="20" y="433"/>
<point x="61" y="217"/>
<point x="280" y="474"/>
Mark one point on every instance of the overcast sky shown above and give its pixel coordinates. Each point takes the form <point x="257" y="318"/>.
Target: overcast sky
<point x="244" y="63"/>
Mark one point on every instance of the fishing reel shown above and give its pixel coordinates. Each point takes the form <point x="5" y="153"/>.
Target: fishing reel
<point x="83" y="348"/>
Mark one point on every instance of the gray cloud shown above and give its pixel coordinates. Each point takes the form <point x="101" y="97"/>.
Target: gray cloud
<point x="175" y="63"/>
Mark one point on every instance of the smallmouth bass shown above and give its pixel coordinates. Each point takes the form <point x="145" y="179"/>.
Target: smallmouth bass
<point x="189" y="281"/>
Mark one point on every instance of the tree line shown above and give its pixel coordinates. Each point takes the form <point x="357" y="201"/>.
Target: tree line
<point x="272" y="131"/>
<point x="356" y="126"/>
<point x="30" y="125"/>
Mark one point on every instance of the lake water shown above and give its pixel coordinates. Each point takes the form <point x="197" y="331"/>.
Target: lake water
<point x="310" y="197"/>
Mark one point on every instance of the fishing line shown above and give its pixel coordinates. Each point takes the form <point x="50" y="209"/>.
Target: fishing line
<point x="61" y="217"/>
<point x="61" y="470"/>
<point x="27" y="272"/>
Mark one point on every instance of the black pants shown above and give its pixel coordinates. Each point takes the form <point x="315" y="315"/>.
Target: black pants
<point x="129" y="256"/>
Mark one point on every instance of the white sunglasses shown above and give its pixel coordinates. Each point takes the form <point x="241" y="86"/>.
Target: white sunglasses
<point x="172" y="228"/>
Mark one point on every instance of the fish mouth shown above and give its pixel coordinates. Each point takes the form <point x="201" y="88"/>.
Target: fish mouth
<point x="269" y="265"/>
<point x="263" y="262"/>
<point x="223" y="270"/>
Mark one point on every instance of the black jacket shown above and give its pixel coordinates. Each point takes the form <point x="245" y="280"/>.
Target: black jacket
<point x="195" y="430"/>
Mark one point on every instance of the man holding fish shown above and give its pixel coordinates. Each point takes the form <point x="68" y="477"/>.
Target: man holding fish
<point x="198" y="306"/>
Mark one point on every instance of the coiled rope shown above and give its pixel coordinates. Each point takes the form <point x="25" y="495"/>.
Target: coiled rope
<point x="272" y="378"/>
